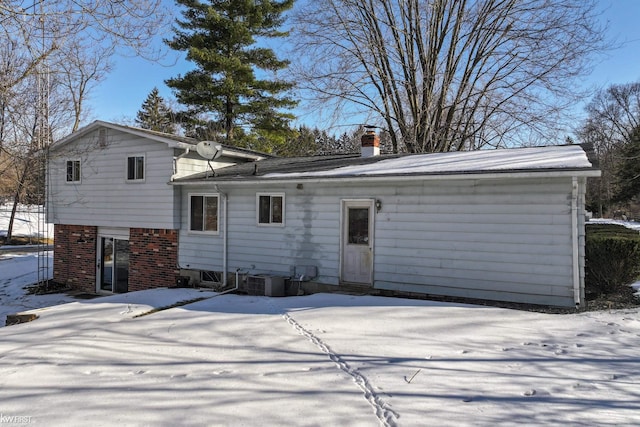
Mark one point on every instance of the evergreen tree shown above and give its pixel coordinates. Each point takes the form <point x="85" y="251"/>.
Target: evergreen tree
<point x="155" y="114"/>
<point x="301" y="142"/>
<point x="628" y="170"/>
<point x="219" y="36"/>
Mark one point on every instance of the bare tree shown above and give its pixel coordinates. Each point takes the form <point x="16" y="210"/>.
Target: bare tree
<point x="612" y="116"/>
<point x="51" y="54"/>
<point x="445" y="75"/>
<point x="78" y="68"/>
<point x="75" y="40"/>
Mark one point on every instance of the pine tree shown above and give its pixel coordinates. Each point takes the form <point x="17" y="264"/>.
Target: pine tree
<point x="219" y="36"/>
<point x="628" y="170"/>
<point x="155" y="114"/>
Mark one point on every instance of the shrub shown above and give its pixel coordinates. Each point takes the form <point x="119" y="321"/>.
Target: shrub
<point x="612" y="258"/>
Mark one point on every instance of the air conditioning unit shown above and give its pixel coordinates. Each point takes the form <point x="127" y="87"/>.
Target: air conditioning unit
<point x="271" y="286"/>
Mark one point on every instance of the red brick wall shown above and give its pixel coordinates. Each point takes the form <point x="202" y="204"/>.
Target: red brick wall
<point x="74" y="256"/>
<point x="153" y="258"/>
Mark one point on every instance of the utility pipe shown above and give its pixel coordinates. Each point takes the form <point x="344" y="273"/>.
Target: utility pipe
<point x="575" y="241"/>
<point x="225" y="230"/>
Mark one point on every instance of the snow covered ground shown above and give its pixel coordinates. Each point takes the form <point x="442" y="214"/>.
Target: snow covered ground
<point x="317" y="360"/>
<point x="629" y="224"/>
<point x="308" y="361"/>
<point x="25" y="222"/>
<point x="17" y="270"/>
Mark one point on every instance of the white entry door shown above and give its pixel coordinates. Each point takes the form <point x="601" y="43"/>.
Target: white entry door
<point x="357" y="241"/>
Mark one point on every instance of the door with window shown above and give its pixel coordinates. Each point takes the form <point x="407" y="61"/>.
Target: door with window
<point x="357" y="241"/>
<point x="113" y="265"/>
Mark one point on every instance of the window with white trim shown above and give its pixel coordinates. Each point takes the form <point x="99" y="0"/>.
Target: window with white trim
<point x="270" y="208"/>
<point x="73" y="171"/>
<point x="203" y="213"/>
<point x="135" y="168"/>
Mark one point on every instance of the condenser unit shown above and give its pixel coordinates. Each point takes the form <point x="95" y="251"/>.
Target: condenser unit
<point x="271" y="286"/>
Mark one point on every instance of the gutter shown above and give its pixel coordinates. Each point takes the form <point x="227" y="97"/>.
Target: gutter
<point x="240" y="181"/>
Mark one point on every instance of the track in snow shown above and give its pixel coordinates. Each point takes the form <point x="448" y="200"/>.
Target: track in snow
<point x="387" y="416"/>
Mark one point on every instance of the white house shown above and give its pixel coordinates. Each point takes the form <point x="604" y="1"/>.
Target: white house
<point x="503" y="225"/>
<point x="115" y="216"/>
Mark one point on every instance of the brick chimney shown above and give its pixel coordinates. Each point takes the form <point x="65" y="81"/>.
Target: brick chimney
<point x="370" y="144"/>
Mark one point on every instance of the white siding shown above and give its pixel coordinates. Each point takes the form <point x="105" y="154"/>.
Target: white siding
<point x="193" y="163"/>
<point x="104" y="197"/>
<point x="496" y="239"/>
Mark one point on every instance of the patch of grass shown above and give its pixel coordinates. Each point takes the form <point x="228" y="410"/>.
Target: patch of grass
<point x="49" y="287"/>
<point x="610" y="230"/>
<point x="167" y="307"/>
<point x="25" y="240"/>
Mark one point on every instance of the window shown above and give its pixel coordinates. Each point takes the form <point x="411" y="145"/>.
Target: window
<point x="135" y="168"/>
<point x="203" y="213"/>
<point x="270" y="209"/>
<point x="211" y="276"/>
<point x="73" y="170"/>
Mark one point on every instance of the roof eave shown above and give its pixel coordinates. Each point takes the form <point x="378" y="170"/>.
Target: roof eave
<point x="436" y="176"/>
<point x="171" y="143"/>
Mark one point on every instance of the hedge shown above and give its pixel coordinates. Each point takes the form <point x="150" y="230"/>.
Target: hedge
<point x="612" y="258"/>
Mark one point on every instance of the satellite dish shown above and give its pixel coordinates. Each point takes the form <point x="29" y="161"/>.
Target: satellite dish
<point x="209" y="150"/>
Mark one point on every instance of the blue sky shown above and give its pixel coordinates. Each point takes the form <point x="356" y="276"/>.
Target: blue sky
<point x="120" y="96"/>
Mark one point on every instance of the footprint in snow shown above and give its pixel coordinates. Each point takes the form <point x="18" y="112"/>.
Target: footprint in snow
<point x="179" y="376"/>
<point x="586" y="387"/>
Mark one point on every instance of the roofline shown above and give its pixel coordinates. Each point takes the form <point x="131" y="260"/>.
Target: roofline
<point x="171" y="143"/>
<point x="435" y="176"/>
<point x="99" y="123"/>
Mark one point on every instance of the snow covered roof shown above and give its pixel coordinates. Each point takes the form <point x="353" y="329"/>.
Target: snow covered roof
<point x="565" y="158"/>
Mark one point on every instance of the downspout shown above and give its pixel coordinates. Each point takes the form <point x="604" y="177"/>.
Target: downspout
<point x="173" y="176"/>
<point x="575" y="241"/>
<point x="225" y="230"/>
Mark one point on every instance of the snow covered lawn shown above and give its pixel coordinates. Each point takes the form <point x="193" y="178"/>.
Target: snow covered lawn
<point x="17" y="270"/>
<point x="317" y="360"/>
<point x="25" y="222"/>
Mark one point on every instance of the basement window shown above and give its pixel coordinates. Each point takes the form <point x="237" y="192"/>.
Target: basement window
<point x="211" y="276"/>
<point x="203" y="213"/>
<point x="73" y="171"/>
<point x="270" y="209"/>
<point x="135" y="168"/>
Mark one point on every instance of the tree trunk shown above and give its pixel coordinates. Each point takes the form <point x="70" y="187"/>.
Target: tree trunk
<point x="16" y="201"/>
